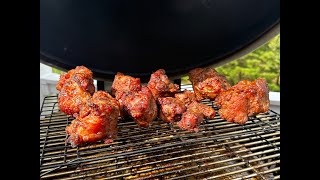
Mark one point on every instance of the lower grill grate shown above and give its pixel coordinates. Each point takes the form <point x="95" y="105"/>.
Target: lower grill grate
<point x="220" y="150"/>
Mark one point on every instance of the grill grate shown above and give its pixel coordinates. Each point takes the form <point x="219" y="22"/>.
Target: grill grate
<point x="220" y="150"/>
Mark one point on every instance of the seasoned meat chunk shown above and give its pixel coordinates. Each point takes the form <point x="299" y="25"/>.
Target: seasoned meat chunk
<point x="171" y="109"/>
<point x="140" y="105"/>
<point x="207" y="83"/>
<point x="125" y="83"/>
<point x="195" y="114"/>
<point x="97" y="121"/>
<point x="76" y="87"/>
<point x="187" y="97"/>
<point x="243" y="100"/>
<point x="160" y="85"/>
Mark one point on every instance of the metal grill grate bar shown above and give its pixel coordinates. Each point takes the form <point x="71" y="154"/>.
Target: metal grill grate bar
<point x="177" y="148"/>
<point x="220" y="150"/>
<point x="261" y="172"/>
<point x="245" y="169"/>
<point x="172" y="159"/>
<point x="161" y="146"/>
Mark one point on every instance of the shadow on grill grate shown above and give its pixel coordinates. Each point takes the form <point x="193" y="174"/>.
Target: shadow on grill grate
<point x="220" y="150"/>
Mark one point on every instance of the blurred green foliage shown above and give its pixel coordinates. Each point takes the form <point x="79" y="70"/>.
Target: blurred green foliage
<point x="54" y="70"/>
<point x="263" y="62"/>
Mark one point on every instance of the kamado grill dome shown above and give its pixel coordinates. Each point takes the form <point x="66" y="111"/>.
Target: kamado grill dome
<point x="139" y="37"/>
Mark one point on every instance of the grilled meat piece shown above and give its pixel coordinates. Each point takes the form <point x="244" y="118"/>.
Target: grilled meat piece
<point x="122" y="84"/>
<point x="72" y="98"/>
<point x="171" y="109"/>
<point x="160" y="85"/>
<point x="76" y="87"/>
<point x="195" y="114"/>
<point x="207" y="83"/>
<point x="139" y="105"/>
<point x="125" y="83"/>
<point x="187" y="97"/>
<point x="96" y="121"/>
<point x="243" y="100"/>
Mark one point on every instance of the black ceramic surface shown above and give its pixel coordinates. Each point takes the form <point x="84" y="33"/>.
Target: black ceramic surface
<point x="137" y="37"/>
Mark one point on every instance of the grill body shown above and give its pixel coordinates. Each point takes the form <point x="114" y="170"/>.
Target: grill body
<point x="220" y="150"/>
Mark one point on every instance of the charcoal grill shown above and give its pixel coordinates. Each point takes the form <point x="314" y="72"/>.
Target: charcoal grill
<point x="220" y="150"/>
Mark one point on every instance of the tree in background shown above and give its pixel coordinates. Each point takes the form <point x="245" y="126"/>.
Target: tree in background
<point x="263" y="62"/>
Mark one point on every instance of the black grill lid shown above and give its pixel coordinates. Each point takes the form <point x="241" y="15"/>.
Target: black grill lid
<point x="138" y="37"/>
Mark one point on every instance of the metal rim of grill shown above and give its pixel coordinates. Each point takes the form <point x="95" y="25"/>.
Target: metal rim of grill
<point x="220" y="150"/>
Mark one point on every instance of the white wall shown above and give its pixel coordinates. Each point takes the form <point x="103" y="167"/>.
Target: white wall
<point x="275" y="101"/>
<point x="48" y="81"/>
